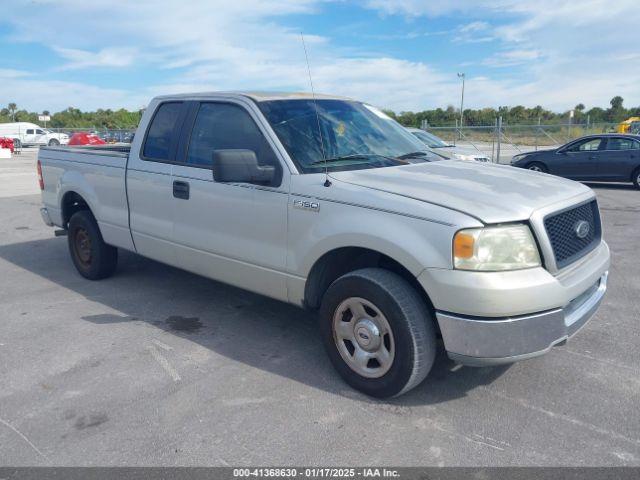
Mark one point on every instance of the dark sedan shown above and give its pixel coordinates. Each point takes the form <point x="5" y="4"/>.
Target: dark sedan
<point x="601" y="158"/>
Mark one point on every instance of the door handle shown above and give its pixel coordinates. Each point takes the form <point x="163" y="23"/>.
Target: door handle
<point x="181" y="190"/>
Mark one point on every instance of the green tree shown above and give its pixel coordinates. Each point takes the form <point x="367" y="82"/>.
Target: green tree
<point x="12" y="109"/>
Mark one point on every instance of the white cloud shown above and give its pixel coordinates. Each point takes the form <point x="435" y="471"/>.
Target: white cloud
<point x="36" y="94"/>
<point x="511" y="58"/>
<point x="105" y="57"/>
<point x="565" y="52"/>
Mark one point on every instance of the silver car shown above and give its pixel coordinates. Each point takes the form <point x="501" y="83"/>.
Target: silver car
<point x="445" y="150"/>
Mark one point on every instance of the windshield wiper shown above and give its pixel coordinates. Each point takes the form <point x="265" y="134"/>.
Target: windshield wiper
<point x="353" y="156"/>
<point x="413" y="155"/>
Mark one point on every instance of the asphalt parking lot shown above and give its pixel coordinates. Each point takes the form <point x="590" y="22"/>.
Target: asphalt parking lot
<point x="156" y="366"/>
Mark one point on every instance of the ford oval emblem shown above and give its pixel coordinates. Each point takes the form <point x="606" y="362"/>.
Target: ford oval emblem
<point x="582" y="229"/>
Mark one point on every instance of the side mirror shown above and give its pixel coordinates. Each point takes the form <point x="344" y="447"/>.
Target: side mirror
<point x="240" y="166"/>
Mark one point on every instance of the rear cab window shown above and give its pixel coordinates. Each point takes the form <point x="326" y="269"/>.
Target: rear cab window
<point x="162" y="135"/>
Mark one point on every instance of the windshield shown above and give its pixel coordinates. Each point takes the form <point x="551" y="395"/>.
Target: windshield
<point x="354" y="135"/>
<point x="429" y="139"/>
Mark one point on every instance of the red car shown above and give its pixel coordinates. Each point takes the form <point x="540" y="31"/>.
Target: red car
<point x="84" y="138"/>
<point x="6" y="143"/>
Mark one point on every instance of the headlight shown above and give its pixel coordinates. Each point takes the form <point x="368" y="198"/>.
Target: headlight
<point x="520" y="156"/>
<point x="461" y="156"/>
<point x="495" y="249"/>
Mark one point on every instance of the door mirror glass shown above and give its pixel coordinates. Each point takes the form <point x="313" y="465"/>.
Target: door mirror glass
<point x="240" y="166"/>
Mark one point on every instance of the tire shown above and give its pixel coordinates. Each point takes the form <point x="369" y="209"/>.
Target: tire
<point x="635" y="178"/>
<point x="93" y="258"/>
<point x="394" y="323"/>
<point x="537" y="167"/>
<point x="54" y="142"/>
<point x="17" y="144"/>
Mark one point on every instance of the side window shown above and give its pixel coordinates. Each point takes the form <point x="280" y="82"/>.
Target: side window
<point x="618" y="143"/>
<point x="40" y="132"/>
<point x="162" y="132"/>
<point x="220" y="126"/>
<point x="585" y="145"/>
<point x="30" y="131"/>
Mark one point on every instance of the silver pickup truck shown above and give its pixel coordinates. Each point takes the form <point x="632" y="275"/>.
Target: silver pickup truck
<point x="330" y="205"/>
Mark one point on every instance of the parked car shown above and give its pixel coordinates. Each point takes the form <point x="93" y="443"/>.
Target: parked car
<point x="84" y="138"/>
<point x="313" y="202"/>
<point x="445" y="150"/>
<point x="29" y="134"/>
<point x="7" y="143"/>
<point x="603" y="158"/>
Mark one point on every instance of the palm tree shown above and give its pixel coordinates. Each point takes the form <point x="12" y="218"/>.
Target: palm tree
<point x="12" y="108"/>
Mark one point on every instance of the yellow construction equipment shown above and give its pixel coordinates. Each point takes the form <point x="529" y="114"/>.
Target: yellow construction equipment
<point x="630" y="125"/>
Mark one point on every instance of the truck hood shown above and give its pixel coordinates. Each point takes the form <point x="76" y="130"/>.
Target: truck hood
<point x="490" y="193"/>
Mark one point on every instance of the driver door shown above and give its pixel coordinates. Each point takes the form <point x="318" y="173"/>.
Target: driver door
<point x="579" y="160"/>
<point x="233" y="232"/>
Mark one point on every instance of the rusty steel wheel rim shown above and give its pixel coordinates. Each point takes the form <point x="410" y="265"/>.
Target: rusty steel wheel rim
<point x="82" y="246"/>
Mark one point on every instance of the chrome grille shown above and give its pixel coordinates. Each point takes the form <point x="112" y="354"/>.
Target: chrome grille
<point x="562" y="229"/>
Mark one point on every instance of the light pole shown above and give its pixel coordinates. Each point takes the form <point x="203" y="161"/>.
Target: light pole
<point x="461" y="75"/>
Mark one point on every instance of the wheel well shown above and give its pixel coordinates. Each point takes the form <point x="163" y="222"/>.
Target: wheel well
<point x="72" y="203"/>
<point x="635" y="173"/>
<point x="336" y="263"/>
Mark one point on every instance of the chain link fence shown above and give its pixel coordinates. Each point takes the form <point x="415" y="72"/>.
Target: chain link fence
<point x="29" y="137"/>
<point x="500" y="142"/>
<point x="109" y="135"/>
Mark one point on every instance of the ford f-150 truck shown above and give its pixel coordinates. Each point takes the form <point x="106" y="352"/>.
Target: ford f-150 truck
<point x="328" y="204"/>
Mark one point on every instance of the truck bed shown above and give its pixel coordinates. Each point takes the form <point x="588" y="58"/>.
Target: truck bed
<point x="98" y="172"/>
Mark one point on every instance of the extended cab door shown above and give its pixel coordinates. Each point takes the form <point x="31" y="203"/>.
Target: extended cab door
<point x="29" y="137"/>
<point x="234" y="232"/>
<point x="579" y="160"/>
<point x="149" y="184"/>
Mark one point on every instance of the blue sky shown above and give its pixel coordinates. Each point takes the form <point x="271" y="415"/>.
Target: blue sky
<point x="398" y="54"/>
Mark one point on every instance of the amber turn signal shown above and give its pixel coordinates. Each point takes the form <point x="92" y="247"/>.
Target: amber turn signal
<point x="463" y="245"/>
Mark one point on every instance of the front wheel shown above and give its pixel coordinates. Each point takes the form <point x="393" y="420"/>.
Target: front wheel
<point x="378" y="332"/>
<point x="54" y="142"/>
<point x="537" y="167"/>
<point x="93" y="258"/>
<point x="17" y="144"/>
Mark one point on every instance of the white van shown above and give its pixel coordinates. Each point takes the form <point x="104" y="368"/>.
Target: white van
<point x="27" y="134"/>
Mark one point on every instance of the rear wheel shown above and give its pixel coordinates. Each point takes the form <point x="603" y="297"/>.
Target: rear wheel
<point x="93" y="258"/>
<point x="378" y="332"/>
<point x="537" y="167"/>
<point x="636" y="178"/>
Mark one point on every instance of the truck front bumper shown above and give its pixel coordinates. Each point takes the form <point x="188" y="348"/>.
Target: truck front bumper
<point x="490" y="318"/>
<point x="490" y="341"/>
